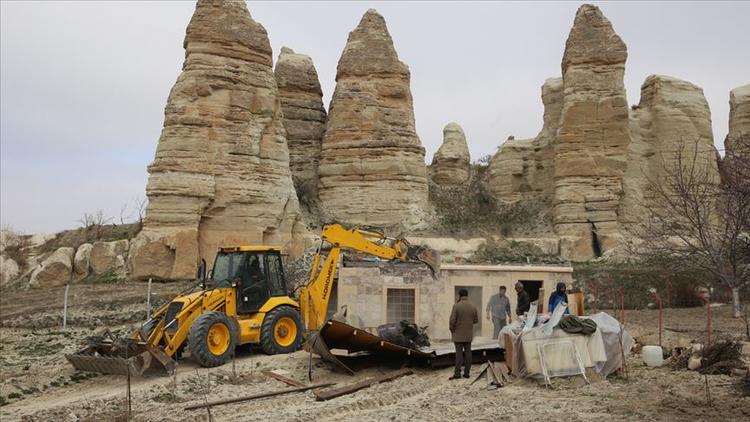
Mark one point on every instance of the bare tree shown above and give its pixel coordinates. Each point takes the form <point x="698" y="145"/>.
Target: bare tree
<point x="696" y="220"/>
<point x="140" y="209"/>
<point x="124" y="216"/>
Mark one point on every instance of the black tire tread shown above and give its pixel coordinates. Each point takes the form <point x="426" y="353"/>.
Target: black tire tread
<point x="198" y="344"/>
<point x="267" y="341"/>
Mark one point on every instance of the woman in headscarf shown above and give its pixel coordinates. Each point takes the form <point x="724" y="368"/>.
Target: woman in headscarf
<point x="559" y="296"/>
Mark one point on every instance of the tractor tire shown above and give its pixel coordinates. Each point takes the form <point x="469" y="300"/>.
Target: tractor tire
<point x="212" y="339"/>
<point x="281" y="331"/>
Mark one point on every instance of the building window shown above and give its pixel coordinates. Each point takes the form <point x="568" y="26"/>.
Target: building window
<point x="400" y="305"/>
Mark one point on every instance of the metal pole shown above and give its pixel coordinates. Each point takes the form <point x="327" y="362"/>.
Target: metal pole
<point x="661" y="320"/>
<point x="65" y="307"/>
<point x="148" y="301"/>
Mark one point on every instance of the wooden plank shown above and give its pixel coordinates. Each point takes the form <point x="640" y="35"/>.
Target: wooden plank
<point x="258" y="396"/>
<point x="285" y="380"/>
<point x="321" y="395"/>
<point x="496" y="377"/>
<point x="543" y="300"/>
<point x="509" y="352"/>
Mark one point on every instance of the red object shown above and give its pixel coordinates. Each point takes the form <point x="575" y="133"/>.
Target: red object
<point x="661" y="320"/>
<point x="707" y="302"/>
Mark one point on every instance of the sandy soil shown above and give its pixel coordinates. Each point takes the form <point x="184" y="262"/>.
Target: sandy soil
<point x="39" y="384"/>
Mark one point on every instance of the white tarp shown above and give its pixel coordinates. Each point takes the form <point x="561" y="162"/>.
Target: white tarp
<point x="612" y="332"/>
<point x="600" y="350"/>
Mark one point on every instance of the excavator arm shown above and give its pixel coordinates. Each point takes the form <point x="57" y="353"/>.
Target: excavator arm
<point x="314" y="298"/>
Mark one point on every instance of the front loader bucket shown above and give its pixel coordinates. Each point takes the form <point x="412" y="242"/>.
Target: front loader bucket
<point x="427" y="256"/>
<point x="122" y="356"/>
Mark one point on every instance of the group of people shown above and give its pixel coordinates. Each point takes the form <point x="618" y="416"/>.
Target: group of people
<point x="464" y="315"/>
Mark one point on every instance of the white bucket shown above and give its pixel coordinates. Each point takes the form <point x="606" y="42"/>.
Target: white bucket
<point x="652" y="356"/>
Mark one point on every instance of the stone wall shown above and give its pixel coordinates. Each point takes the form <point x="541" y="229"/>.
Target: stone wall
<point x="364" y="290"/>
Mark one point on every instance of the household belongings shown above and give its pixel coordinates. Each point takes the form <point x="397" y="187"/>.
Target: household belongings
<point x="535" y="353"/>
<point x="404" y="333"/>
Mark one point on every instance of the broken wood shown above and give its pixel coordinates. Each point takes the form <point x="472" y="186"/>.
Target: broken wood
<point x="505" y="373"/>
<point x="488" y="370"/>
<point x="496" y="378"/>
<point x="321" y="395"/>
<point x="258" y="396"/>
<point x="285" y="380"/>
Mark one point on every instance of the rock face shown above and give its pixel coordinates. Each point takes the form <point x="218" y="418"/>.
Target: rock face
<point x="221" y="172"/>
<point x="55" y="270"/>
<point x="82" y="262"/>
<point x="109" y="258"/>
<point x="451" y="163"/>
<point x="592" y="138"/>
<point x="672" y="118"/>
<point x="737" y="142"/>
<point x="524" y="168"/>
<point x="8" y="270"/>
<point x="594" y="158"/>
<point x="372" y="167"/>
<point x="304" y="117"/>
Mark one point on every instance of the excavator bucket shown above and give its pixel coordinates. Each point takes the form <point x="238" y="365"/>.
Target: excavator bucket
<point x="427" y="256"/>
<point x="121" y="356"/>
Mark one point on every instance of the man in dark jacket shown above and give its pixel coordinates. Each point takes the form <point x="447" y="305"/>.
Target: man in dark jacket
<point x="523" y="303"/>
<point x="463" y="317"/>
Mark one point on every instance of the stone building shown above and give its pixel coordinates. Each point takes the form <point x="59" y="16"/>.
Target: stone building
<point x="377" y="293"/>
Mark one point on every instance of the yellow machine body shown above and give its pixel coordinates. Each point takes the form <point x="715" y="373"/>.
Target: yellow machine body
<point x="244" y="301"/>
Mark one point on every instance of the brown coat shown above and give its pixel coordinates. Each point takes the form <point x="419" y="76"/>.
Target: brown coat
<point x="463" y="317"/>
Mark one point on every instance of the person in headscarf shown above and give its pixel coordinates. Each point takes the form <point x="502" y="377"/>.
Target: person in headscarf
<point x="559" y="296"/>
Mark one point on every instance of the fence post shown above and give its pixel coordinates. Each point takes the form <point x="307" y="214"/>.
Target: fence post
<point x="65" y="307"/>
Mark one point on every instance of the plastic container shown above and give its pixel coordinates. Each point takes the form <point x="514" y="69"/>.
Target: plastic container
<point x="652" y="356"/>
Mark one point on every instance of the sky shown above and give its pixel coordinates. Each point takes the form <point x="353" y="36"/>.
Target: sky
<point x="83" y="85"/>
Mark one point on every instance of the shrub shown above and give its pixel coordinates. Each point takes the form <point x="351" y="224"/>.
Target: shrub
<point x="473" y="210"/>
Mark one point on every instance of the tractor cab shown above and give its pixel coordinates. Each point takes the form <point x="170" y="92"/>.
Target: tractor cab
<point x="255" y="271"/>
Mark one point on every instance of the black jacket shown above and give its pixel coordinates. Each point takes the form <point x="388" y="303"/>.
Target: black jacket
<point x="523" y="304"/>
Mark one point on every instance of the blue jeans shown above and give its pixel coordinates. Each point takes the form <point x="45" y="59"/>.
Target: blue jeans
<point x="498" y="324"/>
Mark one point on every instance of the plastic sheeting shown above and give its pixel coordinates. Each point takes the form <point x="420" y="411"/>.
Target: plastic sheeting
<point x="611" y="329"/>
<point x="606" y="339"/>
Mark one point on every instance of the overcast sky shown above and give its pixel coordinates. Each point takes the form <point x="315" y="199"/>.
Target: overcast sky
<point x="84" y="84"/>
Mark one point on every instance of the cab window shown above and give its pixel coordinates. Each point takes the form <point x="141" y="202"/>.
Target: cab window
<point x="275" y="275"/>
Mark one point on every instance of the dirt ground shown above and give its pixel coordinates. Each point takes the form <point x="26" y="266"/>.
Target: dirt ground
<point x="39" y="384"/>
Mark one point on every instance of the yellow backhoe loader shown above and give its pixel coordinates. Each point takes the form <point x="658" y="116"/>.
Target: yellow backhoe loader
<point x="243" y="300"/>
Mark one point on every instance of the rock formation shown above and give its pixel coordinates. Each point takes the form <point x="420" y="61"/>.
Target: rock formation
<point x="524" y="168"/>
<point x="372" y="167"/>
<point x="9" y="270"/>
<point x="592" y="138"/>
<point x="451" y="163"/>
<point x="108" y="258"/>
<point x="55" y="270"/>
<point x="737" y="142"/>
<point x="221" y="171"/>
<point x="593" y="158"/>
<point x="672" y="118"/>
<point x="82" y="262"/>
<point x="304" y="117"/>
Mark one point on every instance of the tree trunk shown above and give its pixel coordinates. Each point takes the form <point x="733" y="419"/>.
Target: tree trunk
<point x="737" y="313"/>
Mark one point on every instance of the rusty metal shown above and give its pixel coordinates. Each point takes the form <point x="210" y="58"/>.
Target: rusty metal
<point x="121" y="357"/>
<point x="339" y="335"/>
<point x="427" y="256"/>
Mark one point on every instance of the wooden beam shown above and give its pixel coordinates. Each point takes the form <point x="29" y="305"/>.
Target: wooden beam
<point x="321" y="395"/>
<point x="257" y="396"/>
<point x="285" y="380"/>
